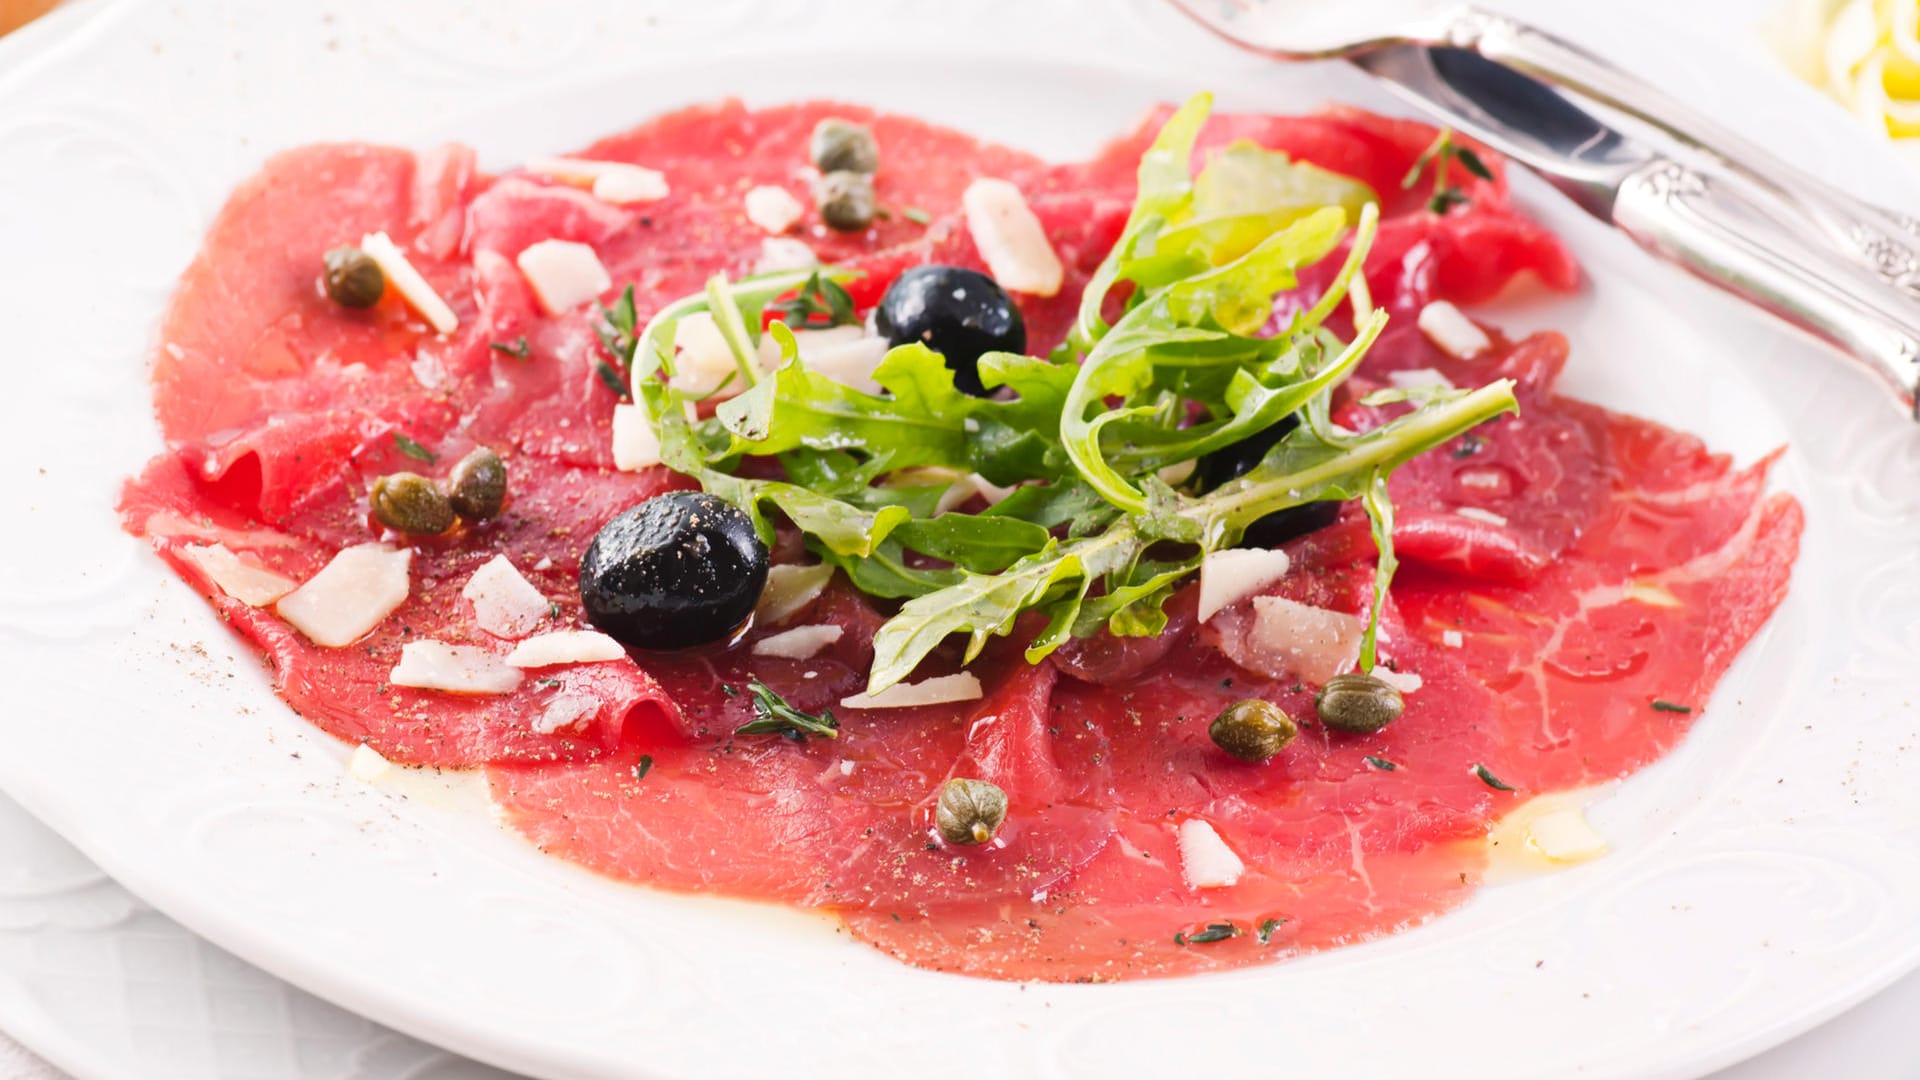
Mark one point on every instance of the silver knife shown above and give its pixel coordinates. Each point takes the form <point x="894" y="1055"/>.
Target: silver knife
<point x="1743" y="236"/>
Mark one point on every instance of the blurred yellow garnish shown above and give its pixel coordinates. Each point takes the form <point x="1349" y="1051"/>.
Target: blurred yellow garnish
<point x="1865" y="53"/>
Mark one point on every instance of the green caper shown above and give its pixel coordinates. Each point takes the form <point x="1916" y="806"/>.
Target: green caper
<point x="846" y="200"/>
<point x="477" y="487"/>
<point x="1252" y="730"/>
<point x="1358" y="704"/>
<point x="411" y="503"/>
<point x="970" y="811"/>
<point x="843" y="145"/>
<point x="353" y="279"/>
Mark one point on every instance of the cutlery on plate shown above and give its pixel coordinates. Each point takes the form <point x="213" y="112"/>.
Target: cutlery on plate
<point x="1727" y="211"/>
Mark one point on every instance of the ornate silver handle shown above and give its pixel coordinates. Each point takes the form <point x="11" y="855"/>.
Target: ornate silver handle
<point x="1721" y="230"/>
<point x="1878" y="242"/>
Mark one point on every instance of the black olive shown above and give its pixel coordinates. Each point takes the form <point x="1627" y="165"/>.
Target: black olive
<point x="959" y="313"/>
<point x="679" y="570"/>
<point x="1233" y="462"/>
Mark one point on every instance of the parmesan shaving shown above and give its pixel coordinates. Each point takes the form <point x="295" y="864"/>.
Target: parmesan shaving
<point x="1230" y="576"/>
<point x="366" y="764"/>
<point x="616" y="182"/>
<point x="1451" y="331"/>
<point x="1565" y="836"/>
<point x="565" y="647"/>
<point x="454" y="669"/>
<point x="799" y="643"/>
<point x="407" y="281"/>
<point x="563" y="274"/>
<point x="350" y="595"/>
<point x="1011" y="239"/>
<point x="790" y="588"/>
<point x="251" y="584"/>
<point x="505" y="603"/>
<point x="635" y="444"/>
<point x="935" y="691"/>
<point x="1313" y="643"/>
<point x="1206" y="862"/>
<point x="784" y="253"/>
<point x="773" y="208"/>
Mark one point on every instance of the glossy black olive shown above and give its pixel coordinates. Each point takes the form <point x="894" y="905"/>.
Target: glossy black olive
<point x="679" y="570"/>
<point x="959" y="313"/>
<point x="1233" y="462"/>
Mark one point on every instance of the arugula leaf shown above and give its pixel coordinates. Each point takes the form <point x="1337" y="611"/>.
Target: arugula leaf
<point x="820" y="303"/>
<point x="773" y="716"/>
<point x="1303" y="467"/>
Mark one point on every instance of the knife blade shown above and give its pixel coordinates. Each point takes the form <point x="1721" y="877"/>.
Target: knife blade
<point x="1730" y="233"/>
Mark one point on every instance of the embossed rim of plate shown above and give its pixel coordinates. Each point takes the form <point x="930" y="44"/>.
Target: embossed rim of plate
<point x="1799" y="899"/>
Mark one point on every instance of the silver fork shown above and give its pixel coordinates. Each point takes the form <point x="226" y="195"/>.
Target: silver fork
<point x="1727" y="210"/>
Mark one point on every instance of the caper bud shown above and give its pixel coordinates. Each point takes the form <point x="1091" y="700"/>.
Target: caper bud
<point x="846" y="200"/>
<point x="843" y="145"/>
<point x="353" y="279"/>
<point x="1358" y="704"/>
<point x="970" y="811"/>
<point x="477" y="487"/>
<point x="411" y="503"/>
<point x="1252" y="730"/>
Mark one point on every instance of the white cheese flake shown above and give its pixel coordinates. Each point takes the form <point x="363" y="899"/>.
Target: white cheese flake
<point x="565" y="647"/>
<point x="773" y="208"/>
<point x="935" y="691"/>
<point x="563" y="274"/>
<point x="790" y="588"/>
<point x="1419" y="379"/>
<point x="845" y="354"/>
<point x="350" y="595"/>
<point x="407" y="281"/>
<point x="566" y="712"/>
<point x="1230" y="576"/>
<point x="702" y="361"/>
<point x="1452" y="332"/>
<point x="505" y="603"/>
<point x="1485" y="517"/>
<point x="799" y="643"/>
<point x="964" y="487"/>
<point x="1011" y="239"/>
<point x="636" y="445"/>
<point x="1452" y="639"/>
<point x="1404" y="681"/>
<point x="1314" y="644"/>
<point x="1565" y="836"/>
<point x="632" y="184"/>
<point x="616" y="182"/>
<point x="245" y="581"/>
<point x="366" y="764"/>
<point x="1205" y="860"/>
<point x="784" y="253"/>
<point x="454" y="669"/>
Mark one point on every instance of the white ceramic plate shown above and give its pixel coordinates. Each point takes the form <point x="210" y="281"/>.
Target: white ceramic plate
<point x="1766" y="875"/>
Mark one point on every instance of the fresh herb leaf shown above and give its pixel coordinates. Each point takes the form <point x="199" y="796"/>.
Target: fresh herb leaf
<point x="1267" y="927"/>
<point x="1380" y="763"/>
<point x="821" y="303"/>
<point x="1492" y="781"/>
<point x="1474" y="165"/>
<point x="1209" y="934"/>
<point x="773" y="716"/>
<point x="617" y="328"/>
<point x="644" y="766"/>
<point x="1440" y="155"/>
<point x="412" y="449"/>
<point x="519" y="350"/>
<point x="610" y="378"/>
<point x="1668" y="706"/>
